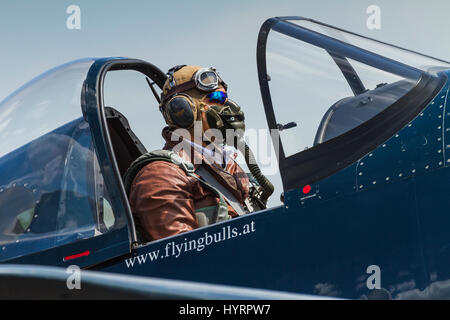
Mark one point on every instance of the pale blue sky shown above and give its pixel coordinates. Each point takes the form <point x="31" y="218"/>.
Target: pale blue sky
<point x="34" y="37"/>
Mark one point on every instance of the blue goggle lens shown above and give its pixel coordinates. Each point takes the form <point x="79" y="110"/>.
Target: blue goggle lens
<point x="218" y="96"/>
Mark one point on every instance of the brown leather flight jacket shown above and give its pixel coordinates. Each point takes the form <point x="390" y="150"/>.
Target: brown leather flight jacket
<point x="164" y="198"/>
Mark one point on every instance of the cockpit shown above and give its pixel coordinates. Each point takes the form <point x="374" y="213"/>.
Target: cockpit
<point x="67" y="137"/>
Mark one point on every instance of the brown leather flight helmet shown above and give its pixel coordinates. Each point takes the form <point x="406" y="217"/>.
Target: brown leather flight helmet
<point x="184" y="92"/>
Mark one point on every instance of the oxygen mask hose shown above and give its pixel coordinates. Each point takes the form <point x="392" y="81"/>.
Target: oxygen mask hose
<point x="232" y="117"/>
<point x="266" y="185"/>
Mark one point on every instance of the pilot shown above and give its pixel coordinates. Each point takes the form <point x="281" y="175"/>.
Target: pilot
<point x="194" y="181"/>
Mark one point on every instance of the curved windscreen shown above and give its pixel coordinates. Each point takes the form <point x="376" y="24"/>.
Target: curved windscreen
<point x="325" y="82"/>
<point x="42" y="105"/>
<point x="407" y="57"/>
<point x="51" y="188"/>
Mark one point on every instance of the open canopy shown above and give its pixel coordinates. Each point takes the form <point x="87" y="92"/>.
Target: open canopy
<point x="331" y="93"/>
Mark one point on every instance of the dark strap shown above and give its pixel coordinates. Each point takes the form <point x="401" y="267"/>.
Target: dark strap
<point x="142" y="161"/>
<point x="188" y="168"/>
<point x="181" y="88"/>
<point x="229" y="197"/>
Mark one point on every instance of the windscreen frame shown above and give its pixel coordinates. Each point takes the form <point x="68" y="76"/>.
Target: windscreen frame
<point x="94" y="111"/>
<point x="321" y="161"/>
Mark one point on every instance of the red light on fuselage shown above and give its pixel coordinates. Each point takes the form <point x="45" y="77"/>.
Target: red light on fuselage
<point x="306" y="189"/>
<point x="76" y="256"/>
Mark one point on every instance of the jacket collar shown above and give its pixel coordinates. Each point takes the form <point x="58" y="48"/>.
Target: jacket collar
<point x="231" y="176"/>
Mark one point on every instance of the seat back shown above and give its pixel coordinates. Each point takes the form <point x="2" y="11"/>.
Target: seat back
<point x="127" y="147"/>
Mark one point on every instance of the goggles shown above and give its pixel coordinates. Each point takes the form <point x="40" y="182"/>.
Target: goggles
<point x="205" y="79"/>
<point x="218" y="96"/>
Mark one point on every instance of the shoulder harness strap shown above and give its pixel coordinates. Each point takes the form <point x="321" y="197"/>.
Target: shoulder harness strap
<point x="221" y="212"/>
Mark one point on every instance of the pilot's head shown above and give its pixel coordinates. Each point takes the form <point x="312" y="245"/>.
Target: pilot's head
<point x="194" y="94"/>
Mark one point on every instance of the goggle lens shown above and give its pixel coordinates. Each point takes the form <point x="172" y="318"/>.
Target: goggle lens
<point x="218" y="96"/>
<point x="208" y="78"/>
